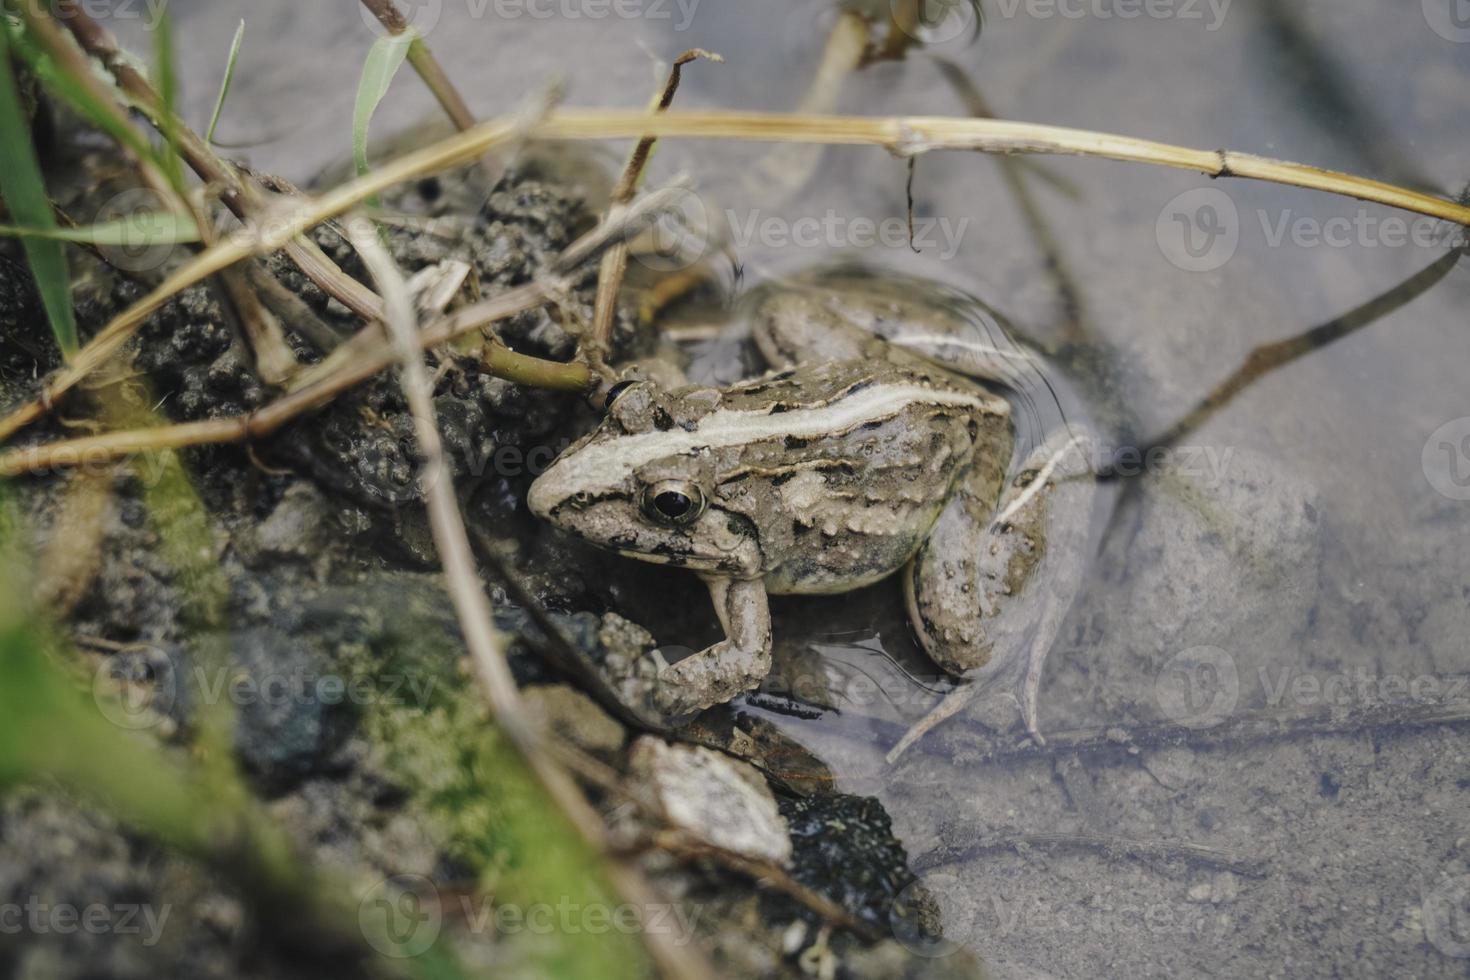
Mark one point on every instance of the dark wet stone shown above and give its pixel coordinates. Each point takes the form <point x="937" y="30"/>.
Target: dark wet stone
<point x="844" y="848"/>
<point x="288" y="702"/>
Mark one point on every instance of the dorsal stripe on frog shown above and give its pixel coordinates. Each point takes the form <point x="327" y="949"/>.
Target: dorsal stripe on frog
<point x="610" y="464"/>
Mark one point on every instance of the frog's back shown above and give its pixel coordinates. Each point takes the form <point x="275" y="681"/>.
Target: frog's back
<point x="848" y="465"/>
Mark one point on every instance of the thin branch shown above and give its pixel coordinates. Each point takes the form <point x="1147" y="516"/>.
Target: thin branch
<point x="487" y="646"/>
<point x="360" y="358"/>
<point x="766" y="875"/>
<point x="274" y="359"/>
<point x="425" y="64"/>
<point x="95" y="450"/>
<point x="1013" y="172"/>
<point x="240" y="196"/>
<point x="1266" y="358"/>
<point x="906" y="135"/>
<point x="615" y="260"/>
<point x="42" y="27"/>
<point x="1135" y="848"/>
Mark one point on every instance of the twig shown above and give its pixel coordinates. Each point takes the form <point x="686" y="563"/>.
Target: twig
<point x="623" y="223"/>
<point x="615" y="260"/>
<point x="1135" y="848"/>
<point x="904" y="135"/>
<point x="1266" y="358"/>
<point x="766" y="875"/>
<point x="353" y="362"/>
<point x="274" y="359"/>
<point x="1055" y="263"/>
<point x="95" y="450"/>
<point x="43" y="28"/>
<point x="240" y="196"/>
<point x="487" y="646"/>
<point x="683" y="845"/>
<point x="425" y="64"/>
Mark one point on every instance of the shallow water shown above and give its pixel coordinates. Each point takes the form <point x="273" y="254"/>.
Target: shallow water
<point x="1261" y="593"/>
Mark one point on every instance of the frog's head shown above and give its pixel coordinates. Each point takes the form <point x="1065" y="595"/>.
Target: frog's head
<point x="643" y="484"/>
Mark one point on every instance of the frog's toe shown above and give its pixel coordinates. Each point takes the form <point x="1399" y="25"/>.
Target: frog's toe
<point x="712" y="676"/>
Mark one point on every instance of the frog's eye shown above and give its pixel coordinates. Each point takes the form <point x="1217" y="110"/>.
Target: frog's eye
<point x="673" y="502"/>
<point x="616" y="392"/>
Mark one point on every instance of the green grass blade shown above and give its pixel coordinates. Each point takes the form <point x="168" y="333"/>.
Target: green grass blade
<point x="168" y="94"/>
<point x="24" y="191"/>
<point x="134" y="231"/>
<point x="383" y="62"/>
<point x="62" y="86"/>
<point x="224" y="86"/>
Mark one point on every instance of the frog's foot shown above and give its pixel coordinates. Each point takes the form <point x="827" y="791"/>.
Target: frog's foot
<point x="731" y="667"/>
<point x="988" y="595"/>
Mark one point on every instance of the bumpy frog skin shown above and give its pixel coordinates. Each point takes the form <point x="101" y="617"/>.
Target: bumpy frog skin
<point x="856" y="459"/>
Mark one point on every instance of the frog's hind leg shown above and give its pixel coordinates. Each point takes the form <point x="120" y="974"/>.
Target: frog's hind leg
<point x="988" y="593"/>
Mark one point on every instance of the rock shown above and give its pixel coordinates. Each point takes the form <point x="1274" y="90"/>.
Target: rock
<point x="714" y="798"/>
<point x="285" y="704"/>
<point x="1214" y="581"/>
<point x="571" y="715"/>
<point x="843" y="847"/>
<point x="1173" y="767"/>
<point x="297" y="528"/>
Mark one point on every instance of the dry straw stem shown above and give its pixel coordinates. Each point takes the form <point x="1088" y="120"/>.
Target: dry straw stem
<point x="360" y="358"/>
<point x="273" y="357"/>
<point x="487" y="645"/>
<point x="50" y="37"/>
<point x="241" y="197"/>
<point x="903" y="135"/>
<point x="92" y="451"/>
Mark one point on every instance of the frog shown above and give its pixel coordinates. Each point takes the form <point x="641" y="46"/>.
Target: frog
<point x="892" y="435"/>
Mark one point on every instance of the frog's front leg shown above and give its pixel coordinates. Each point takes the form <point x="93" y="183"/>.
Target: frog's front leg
<point x="734" y="665"/>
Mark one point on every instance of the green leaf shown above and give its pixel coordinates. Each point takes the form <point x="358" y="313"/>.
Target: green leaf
<point x="168" y="94"/>
<point x="24" y="191"/>
<point x="224" y="87"/>
<point x="383" y="62"/>
<point x="145" y="228"/>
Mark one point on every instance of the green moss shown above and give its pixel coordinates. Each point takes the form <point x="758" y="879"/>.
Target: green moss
<point x="489" y="810"/>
